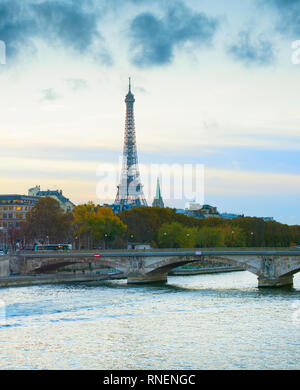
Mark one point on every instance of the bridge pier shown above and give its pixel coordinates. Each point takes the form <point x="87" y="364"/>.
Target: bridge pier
<point x="276" y="282"/>
<point x="147" y="278"/>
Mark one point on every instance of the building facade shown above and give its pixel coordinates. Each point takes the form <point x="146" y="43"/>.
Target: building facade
<point x="64" y="202"/>
<point x="205" y="211"/>
<point x="230" y="216"/>
<point x="13" y="209"/>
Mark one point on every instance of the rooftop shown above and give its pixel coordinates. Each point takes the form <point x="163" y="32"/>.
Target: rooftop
<point x="56" y="193"/>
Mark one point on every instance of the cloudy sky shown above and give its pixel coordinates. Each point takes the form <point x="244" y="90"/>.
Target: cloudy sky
<point x="216" y="84"/>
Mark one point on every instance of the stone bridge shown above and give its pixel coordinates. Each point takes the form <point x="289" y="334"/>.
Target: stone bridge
<point x="273" y="268"/>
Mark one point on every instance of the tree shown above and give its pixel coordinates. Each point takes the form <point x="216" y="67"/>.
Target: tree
<point x="175" y="235"/>
<point x="47" y="222"/>
<point x="107" y="226"/>
<point x="94" y="223"/>
<point x="234" y="236"/>
<point x="209" y="237"/>
<point x="144" y="222"/>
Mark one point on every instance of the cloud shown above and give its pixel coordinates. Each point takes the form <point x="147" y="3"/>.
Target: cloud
<point x="60" y="23"/>
<point x="67" y="22"/>
<point x="288" y="15"/>
<point x="49" y="94"/>
<point x="76" y="84"/>
<point x="252" y="51"/>
<point x="16" y="26"/>
<point x="72" y="24"/>
<point x="154" y="39"/>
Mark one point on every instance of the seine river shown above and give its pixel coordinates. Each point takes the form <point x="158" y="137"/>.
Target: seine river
<point x="216" y="321"/>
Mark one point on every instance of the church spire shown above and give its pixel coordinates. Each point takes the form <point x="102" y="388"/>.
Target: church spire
<point x="158" y="195"/>
<point x="158" y="201"/>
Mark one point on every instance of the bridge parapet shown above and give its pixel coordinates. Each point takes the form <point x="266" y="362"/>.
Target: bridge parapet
<point x="4" y="266"/>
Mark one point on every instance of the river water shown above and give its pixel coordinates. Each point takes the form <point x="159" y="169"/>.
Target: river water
<point x="216" y="321"/>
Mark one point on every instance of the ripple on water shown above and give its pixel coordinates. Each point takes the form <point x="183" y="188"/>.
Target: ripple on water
<point x="218" y="321"/>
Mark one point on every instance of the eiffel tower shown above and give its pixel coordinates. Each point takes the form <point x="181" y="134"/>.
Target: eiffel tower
<point x="130" y="189"/>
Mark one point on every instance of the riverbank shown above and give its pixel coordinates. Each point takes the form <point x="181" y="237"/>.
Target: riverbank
<point x="31" y="280"/>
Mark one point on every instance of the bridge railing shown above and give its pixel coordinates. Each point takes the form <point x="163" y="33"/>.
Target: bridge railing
<point x="149" y="253"/>
<point x="192" y="250"/>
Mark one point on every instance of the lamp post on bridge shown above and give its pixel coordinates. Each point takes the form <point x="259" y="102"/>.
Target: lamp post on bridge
<point x="252" y="241"/>
<point x="165" y="236"/>
<point x="188" y="236"/>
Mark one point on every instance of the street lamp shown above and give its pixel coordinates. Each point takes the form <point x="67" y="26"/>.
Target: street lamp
<point x="252" y="238"/>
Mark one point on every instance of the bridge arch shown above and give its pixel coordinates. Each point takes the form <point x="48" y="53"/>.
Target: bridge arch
<point x="46" y="265"/>
<point x="291" y="272"/>
<point x="166" y="265"/>
<point x="244" y="262"/>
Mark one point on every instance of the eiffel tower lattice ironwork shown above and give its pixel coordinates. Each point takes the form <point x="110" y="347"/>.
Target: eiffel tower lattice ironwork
<point x="130" y="189"/>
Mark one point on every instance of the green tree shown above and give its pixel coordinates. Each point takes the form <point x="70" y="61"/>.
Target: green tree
<point x="175" y="235"/>
<point x="209" y="237"/>
<point x="94" y="224"/>
<point x="234" y="236"/>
